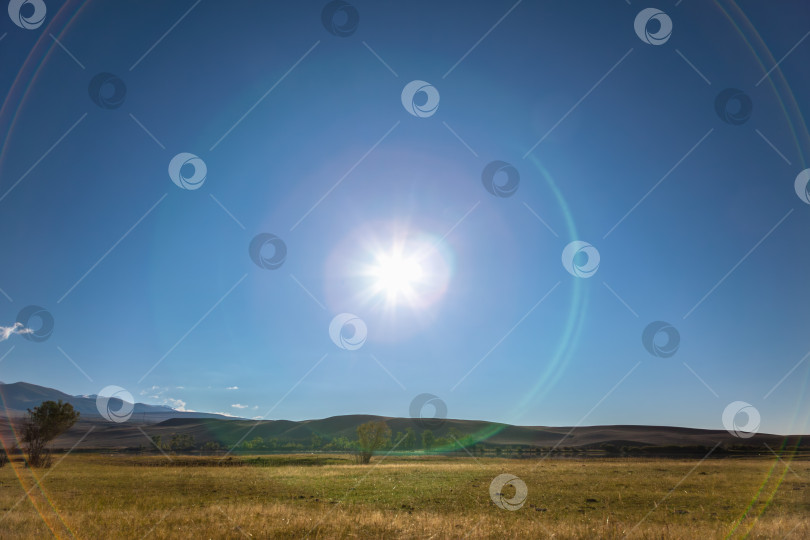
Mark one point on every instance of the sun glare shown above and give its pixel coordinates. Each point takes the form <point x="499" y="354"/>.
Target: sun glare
<point x="406" y="270"/>
<point x="396" y="276"/>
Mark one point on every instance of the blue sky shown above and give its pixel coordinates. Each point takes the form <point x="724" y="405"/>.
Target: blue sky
<point x="287" y="116"/>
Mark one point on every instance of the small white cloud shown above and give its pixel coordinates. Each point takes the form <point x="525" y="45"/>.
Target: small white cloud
<point x="232" y="388"/>
<point x="239" y="406"/>
<point x="225" y="414"/>
<point x="16" y="328"/>
<point x="153" y="392"/>
<point x="177" y="405"/>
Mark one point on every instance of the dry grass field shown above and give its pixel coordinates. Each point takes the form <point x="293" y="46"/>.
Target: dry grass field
<point x="97" y="496"/>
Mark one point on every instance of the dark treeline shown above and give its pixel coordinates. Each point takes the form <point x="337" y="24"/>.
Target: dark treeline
<point x="402" y="443"/>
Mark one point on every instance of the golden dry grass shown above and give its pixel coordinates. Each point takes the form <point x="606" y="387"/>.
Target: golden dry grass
<point x="95" y="496"/>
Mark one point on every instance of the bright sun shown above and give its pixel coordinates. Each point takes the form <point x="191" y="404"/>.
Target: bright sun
<point x="396" y="276"/>
<point x="406" y="269"/>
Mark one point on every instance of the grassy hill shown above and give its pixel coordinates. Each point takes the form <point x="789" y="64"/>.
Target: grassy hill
<point x="337" y="432"/>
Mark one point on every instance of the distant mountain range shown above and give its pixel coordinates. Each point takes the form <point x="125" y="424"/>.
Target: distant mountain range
<point x="21" y="396"/>
<point x="147" y="420"/>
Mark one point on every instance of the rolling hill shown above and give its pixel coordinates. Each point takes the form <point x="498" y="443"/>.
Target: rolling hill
<point x="94" y="432"/>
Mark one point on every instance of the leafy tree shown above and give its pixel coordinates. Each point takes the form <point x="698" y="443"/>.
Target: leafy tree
<point x="44" y="424"/>
<point x="157" y="440"/>
<point x="256" y="444"/>
<point x="212" y="446"/>
<point x="316" y="441"/>
<point x="443" y="443"/>
<point x="410" y="440"/>
<point x="338" y="443"/>
<point x="180" y="442"/>
<point x="428" y="439"/>
<point x="371" y="436"/>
